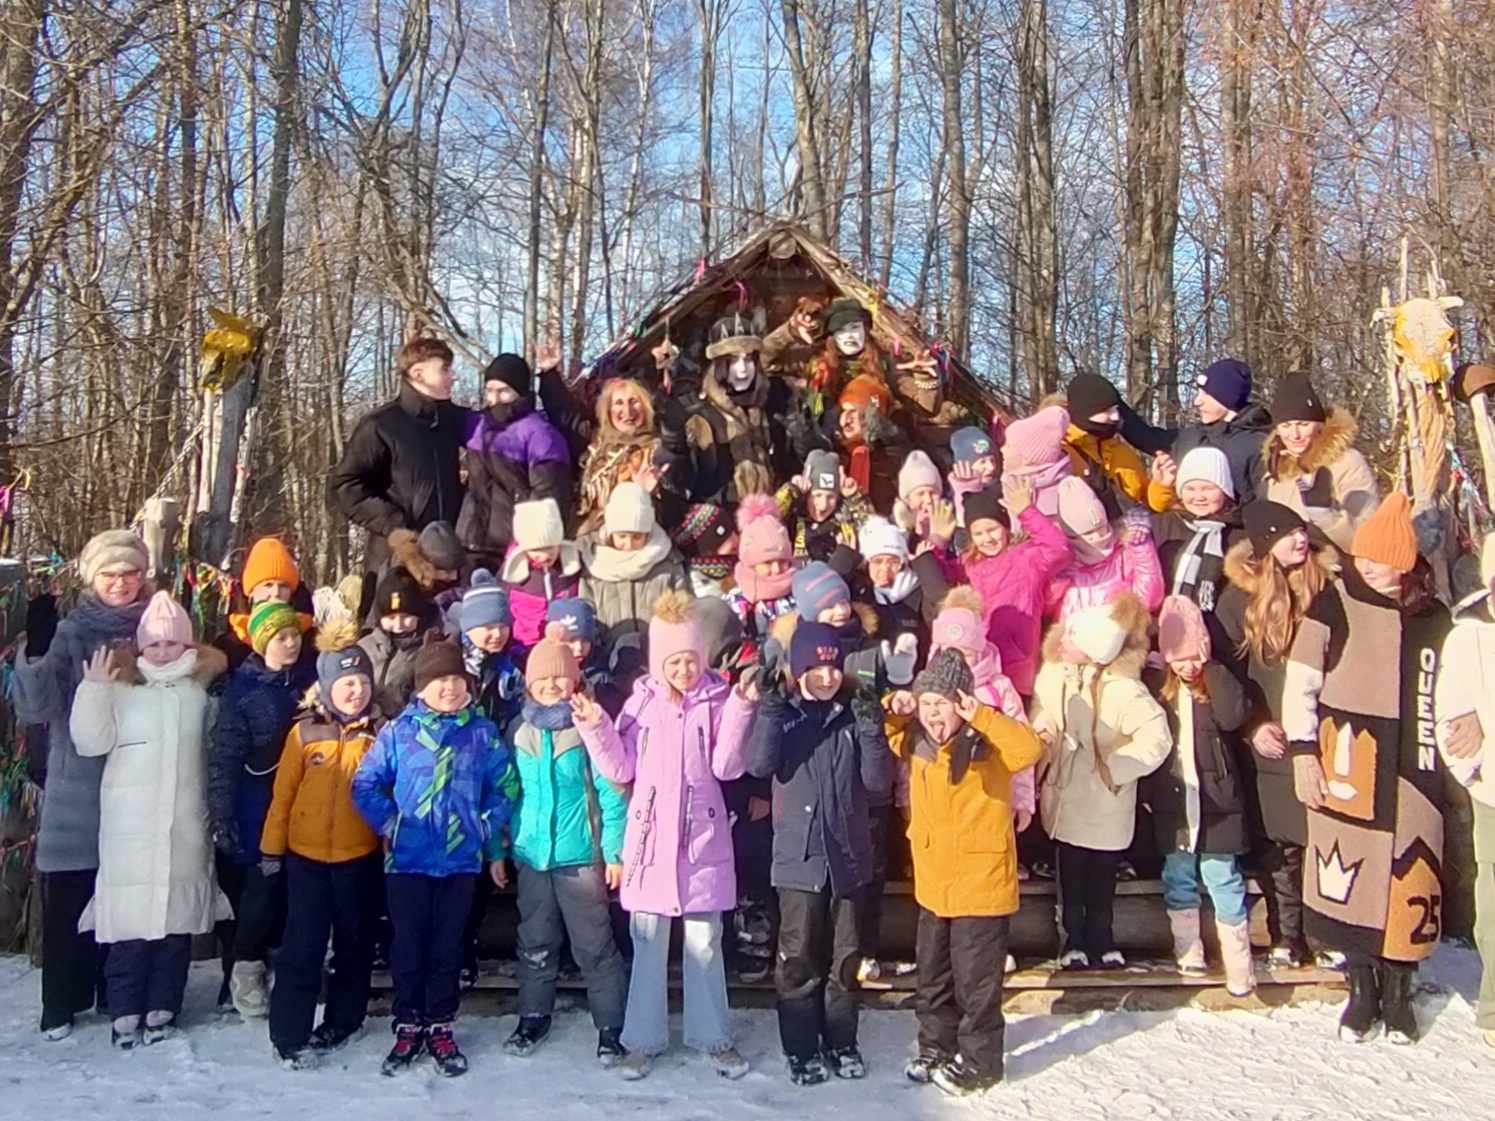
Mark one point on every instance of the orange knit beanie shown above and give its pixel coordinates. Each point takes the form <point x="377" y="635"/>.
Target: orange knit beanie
<point x="1387" y="536"/>
<point x="270" y="560"/>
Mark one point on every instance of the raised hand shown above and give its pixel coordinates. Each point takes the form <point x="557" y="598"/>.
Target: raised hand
<point x="942" y="521"/>
<point x="1165" y="469"/>
<point x="966" y="706"/>
<point x="902" y="703"/>
<point x="748" y="690"/>
<point x="803" y="324"/>
<point x="650" y="473"/>
<point x="849" y="486"/>
<point x="548" y="355"/>
<point x="101" y="668"/>
<point x="1018" y="494"/>
<point x="586" y="712"/>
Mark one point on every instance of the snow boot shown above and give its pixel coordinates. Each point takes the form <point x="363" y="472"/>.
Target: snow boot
<point x="1188" y="946"/>
<point x="610" y="1050"/>
<point x="635" y="1065"/>
<point x="1074" y="959"/>
<point x="58" y="1033"/>
<point x="410" y="1041"/>
<point x="328" y="1038"/>
<point x="1288" y="955"/>
<point x="1361" y="1020"/>
<point x="298" y="1058"/>
<point x="808" y="1070"/>
<point x="729" y="1063"/>
<point x="959" y="1081"/>
<point x="1112" y="959"/>
<point x="1235" y="949"/>
<point x="922" y="1068"/>
<point x="124" y="1033"/>
<point x="450" y="1062"/>
<point x="1398" y="982"/>
<point x="250" y="995"/>
<point x="530" y="1033"/>
<point x="159" y="1027"/>
<point x="846" y="1062"/>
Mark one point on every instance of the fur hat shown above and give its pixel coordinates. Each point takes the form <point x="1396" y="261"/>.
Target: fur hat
<point x="267" y="620"/>
<point x="958" y="626"/>
<point x="1181" y="630"/>
<point x="986" y="504"/>
<point x="703" y="530"/>
<point x="1267" y="522"/>
<point x="970" y="444"/>
<point x="1296" y="399"/>
<point x="879" y="537"/>
<point x="552" y="657"/>
<point x="843" y="313"/>
<point x="1039" y="439"/>
<point x="577" y="615"/>
<point x="1080" y="511"/>
<point x="1208" y="465"/>
<point x="486" y="603"/>
<point x="513" y="371"/>
<point x="823" y="471"/>
<point x="673" y="629"/>
<point x="164" y="620"/>
<point x="1096" y="633"/>
<point x="437" y="658"/>
<point x="814" y="644"/>
<point x="1228" y="381"/>
<point x="114" y="550"/>
<point x="1387" y="536"/>
<point x="629" y="509"/>
<point x="918" y="470"/>
<point x="538" y="524"/>
<point x="818" y="587"/>
<point x="947" y="675"/>
<point x="269" y="560"/>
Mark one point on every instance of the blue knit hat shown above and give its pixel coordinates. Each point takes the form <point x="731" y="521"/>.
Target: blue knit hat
<point x="970" y="444"/>
<point x="577" y="615"/>
<point x="486" y="603"/>
<point x="334" y="665"/>
<point x="818" y="587"/>
<point x="1228" y="381"/>
<point x="814" y="644"/>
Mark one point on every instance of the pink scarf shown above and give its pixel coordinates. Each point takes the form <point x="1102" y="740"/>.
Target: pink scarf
<point x="758" y="589"/>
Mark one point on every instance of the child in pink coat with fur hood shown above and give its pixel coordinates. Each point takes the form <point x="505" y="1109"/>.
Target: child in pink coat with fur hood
<point x="1108" y="560"/>
<point x="680" y="736"/>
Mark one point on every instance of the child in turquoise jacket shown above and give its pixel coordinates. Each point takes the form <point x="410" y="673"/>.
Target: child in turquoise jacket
<point x="568" y="843"/>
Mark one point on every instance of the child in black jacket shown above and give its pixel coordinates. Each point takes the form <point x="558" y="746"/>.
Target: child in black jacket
<point x="825" y="748"/>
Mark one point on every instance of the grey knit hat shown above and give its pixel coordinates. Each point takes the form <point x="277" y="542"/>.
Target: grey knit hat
<point x="823" y="470"/>
<point x="947" y="674"/>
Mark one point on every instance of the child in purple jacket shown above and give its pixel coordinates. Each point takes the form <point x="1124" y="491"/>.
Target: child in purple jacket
<point x="680" y="736"/>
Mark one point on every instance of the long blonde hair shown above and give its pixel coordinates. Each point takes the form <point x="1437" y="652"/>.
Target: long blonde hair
<point x="1279" y="601"/>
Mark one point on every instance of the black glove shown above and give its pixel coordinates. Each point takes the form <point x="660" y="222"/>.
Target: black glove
<point x="41" y="624"/>
<point x="1318" y="492"/>
<point x="226" y="837"/>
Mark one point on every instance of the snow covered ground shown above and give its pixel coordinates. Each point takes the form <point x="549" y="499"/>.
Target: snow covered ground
<point x="1195" y="1065"/>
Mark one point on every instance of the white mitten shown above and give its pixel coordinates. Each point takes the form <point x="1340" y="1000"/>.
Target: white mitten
<point x="899" y="659"/>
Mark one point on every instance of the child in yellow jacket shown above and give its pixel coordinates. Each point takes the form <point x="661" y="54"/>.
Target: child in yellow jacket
<point x="330" y="857"/>
<point x="962" y="755"/>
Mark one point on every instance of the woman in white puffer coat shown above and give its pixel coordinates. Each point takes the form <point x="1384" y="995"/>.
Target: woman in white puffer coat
<point x="155" y="887"/>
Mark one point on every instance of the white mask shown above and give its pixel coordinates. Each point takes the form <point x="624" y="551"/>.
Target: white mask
<point x="851" y="340"/>
<point x="741" y="372"/>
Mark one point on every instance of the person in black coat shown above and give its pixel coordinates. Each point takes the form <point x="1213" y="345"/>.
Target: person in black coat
<point x="401" y="467"/>
<point x="1193" y="539"/>
<point x="822" y="741"/>
<point x="1228" y="421"/>
<point x="1198" y="798"/>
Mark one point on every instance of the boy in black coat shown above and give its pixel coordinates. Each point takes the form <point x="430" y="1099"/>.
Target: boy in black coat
<point x="825" y="747"/>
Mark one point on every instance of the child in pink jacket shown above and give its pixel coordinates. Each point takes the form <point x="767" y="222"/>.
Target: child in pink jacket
<point x="541" y="567"/>
<point x="679" y="737"/>
<point x="1106" y="562"/>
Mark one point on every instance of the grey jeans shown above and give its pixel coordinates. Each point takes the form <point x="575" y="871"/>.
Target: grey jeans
<point x="568" y="901"/>
<point x="1484" y="909"/>
<point x="708" y="1022"/>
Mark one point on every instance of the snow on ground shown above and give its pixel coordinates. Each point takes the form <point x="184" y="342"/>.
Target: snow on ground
<point x="1284" y="1065"/>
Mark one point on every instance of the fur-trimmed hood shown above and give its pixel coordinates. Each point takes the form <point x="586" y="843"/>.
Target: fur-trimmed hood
<point x="781" y="630"/>
<point x="1239" y="572"/>
<point x="404" y="547"/>
<point x="1336" y="438"/>
<point x="212" y="664"/>
<point x="1130" y="613"/>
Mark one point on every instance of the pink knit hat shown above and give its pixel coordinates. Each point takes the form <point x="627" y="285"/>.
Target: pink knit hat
<point x="164" y="620"/>
<point x="1039" y="438"/>
<point x="1080" y="511"/>
<point x="673" y="629"/>
<point x="957" y="628"/>
<point x="764" y="538"/>
<point x="1181" y="630"/>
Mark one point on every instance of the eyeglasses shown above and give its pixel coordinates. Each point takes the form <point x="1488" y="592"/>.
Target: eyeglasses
<point x="120" y="579"/>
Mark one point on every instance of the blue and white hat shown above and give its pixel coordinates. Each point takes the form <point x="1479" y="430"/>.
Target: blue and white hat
<point x="486" y="603"/>
<point x="578" y="616"/>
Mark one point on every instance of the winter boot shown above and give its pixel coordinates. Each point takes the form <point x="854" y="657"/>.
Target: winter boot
<point x="297" y="1058"/>
<point x="846" y="1062"/>
<point x="1235" y="948"/>
<point x="251" y="997"/>
<point x="1074" y="959"/>
<point x="450" y="1061"/>
<point x="922" y="1069"/>
<point x="808" y="1070"/>
<point x="1188" y="946"/>
<point x="729" y="1063"/>
<point x="124" y="1033"/>
<point x="1361" y="1020"/>
<point x="1398" y="981"/>
<point x="530" y="1033"/>
<point x="635" y="1065"/>
<point x="159" y="1027"/>
<point x="610" y="1050"/>
<point x="1288" y="955"/>
<point x="410" y="1041"/>
<point x="328" y="1038"/>
<point x="1112" y="959"/>
<point x="960" y="1081"/>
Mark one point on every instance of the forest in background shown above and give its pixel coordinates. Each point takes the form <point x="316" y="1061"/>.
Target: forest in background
<point x="1135" y="187"/>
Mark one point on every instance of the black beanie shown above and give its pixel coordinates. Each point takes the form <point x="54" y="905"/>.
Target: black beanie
<point x="1089" y="394"/>
<point x="513" y="371"/>
<point x="399" y="594"/>
<point x="1267" y="523"/>
<point x="986" y="503"/>
<point x="1296" y="399"/>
